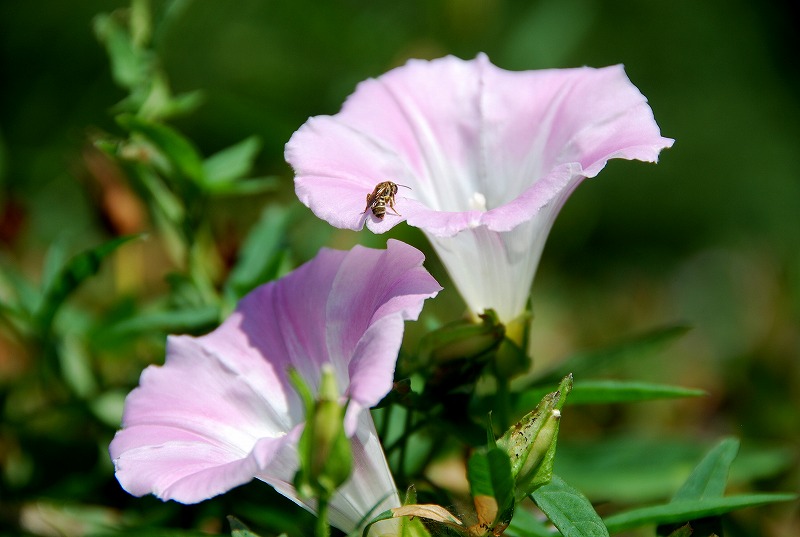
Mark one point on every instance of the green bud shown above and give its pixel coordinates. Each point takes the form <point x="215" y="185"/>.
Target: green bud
<point x="326" y="459"/>
<point x="531" y="442"/>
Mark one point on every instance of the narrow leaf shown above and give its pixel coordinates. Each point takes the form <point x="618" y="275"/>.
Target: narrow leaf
<point x="608" y="391"/>
<point x="683" y="510"/>
<point x="128" y="63"/>
<point x="183" y="321"/>
<point x="709" y="478"/>
<point x="75" y="272"/>
<point x="261" y="254"/>
<point x="231" y="163"/>
<point x="491" y="486"/>
<point x="239" y="529"/>
<point x="569" y="510"/>
<point x="637" y="347"/>
<point x="613" y="468"/>
<point x="244" y="187"/>
<point x="526" y="524"/>
<point x="683" y="531"/>
<point x="175" y="147"/>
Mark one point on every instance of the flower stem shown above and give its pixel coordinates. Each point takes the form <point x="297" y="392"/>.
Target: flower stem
<point x="407" y="430"/>
<point x="502" y="401"/>
<point x="322" y="528"/>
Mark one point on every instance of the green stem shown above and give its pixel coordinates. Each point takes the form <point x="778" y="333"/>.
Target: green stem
<point x="387" y="418"/>
<point x="322" y="529"/>
<point x="502" y="401"/>
<point x="407" y="431"/>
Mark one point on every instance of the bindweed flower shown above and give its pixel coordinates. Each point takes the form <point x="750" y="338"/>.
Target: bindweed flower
<point x="487" y="157"/>
<point x="221" y="410"/>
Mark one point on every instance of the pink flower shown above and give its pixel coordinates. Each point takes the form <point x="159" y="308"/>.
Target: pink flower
<point x="221" y="410"/>
<point x="489" y="157"/>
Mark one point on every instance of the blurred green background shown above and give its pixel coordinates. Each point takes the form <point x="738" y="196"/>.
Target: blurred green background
<point x="708" y="237"/>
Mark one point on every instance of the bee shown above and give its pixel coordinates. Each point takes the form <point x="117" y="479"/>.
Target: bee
<point x="381" y="197"/>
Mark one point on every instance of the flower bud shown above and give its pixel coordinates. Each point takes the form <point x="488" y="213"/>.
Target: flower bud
<point x="531" y="442"/>
<point x="326" y="459"/>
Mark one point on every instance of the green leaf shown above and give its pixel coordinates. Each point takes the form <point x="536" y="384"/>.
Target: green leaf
<point x="526" y="524"/>
<point x="141" y="22"/>
<point x="261" y="254"/>
<point x="54" y="261"/>
<point x="244" y="187"/>
<point x="129" y="64"/>
<point x="173" y="145"/>
<point x="165" y="203"/>
<point x="188" y="320"/>
<point x="683" y="531"/>
<point x="638" y="347"/>
<point x="609" y="391"/>
<point x="231" y="163"/>
<point x="709" y="478"/>
<point x="108" y="407"/>
<point x="613" y="469"/>
<point x="569" y="510"/>
<point x="491" y="485"/>
<point x="75" y="272"/>
<point x="239" y="529"/>
<point x="21" y="298"/>
<point x="683" y="510"/>
<point x="76" y="366"/>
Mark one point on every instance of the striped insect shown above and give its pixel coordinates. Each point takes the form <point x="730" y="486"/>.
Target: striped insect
<point x="382" y="197"/>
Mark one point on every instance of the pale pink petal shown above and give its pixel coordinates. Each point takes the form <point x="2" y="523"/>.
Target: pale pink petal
<point x="221" y="411"/>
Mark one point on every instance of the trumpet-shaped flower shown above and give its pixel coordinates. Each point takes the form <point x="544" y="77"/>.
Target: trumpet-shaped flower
<point x="488" y="157"/>
<point x="221" y="410"/>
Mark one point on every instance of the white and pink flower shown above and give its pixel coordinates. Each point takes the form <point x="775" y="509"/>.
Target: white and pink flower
<point x="489" y="156"/>
<point x="221" y="410"/>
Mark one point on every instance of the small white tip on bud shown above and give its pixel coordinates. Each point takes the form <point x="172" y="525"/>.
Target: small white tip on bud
<point x="556" y="413"/>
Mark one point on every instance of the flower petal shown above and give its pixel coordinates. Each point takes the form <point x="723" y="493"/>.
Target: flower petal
<point x="221" y="410"/>
<point x="194" y="427"/>
<point x="455" y="130"/>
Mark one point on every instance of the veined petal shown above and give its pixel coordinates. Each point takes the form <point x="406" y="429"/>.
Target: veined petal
<point x="221" y="410"/>
<point x="478" y="147"/>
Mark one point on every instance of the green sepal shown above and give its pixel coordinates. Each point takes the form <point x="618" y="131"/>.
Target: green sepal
<point x="461" y="340"/>
<point x="454" y="355"/>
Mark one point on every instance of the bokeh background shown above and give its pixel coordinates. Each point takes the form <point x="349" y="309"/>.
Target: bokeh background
<point x="707" y="238"/>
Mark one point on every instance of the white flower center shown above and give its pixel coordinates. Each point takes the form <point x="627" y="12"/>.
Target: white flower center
<point x="477" y="202"/>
